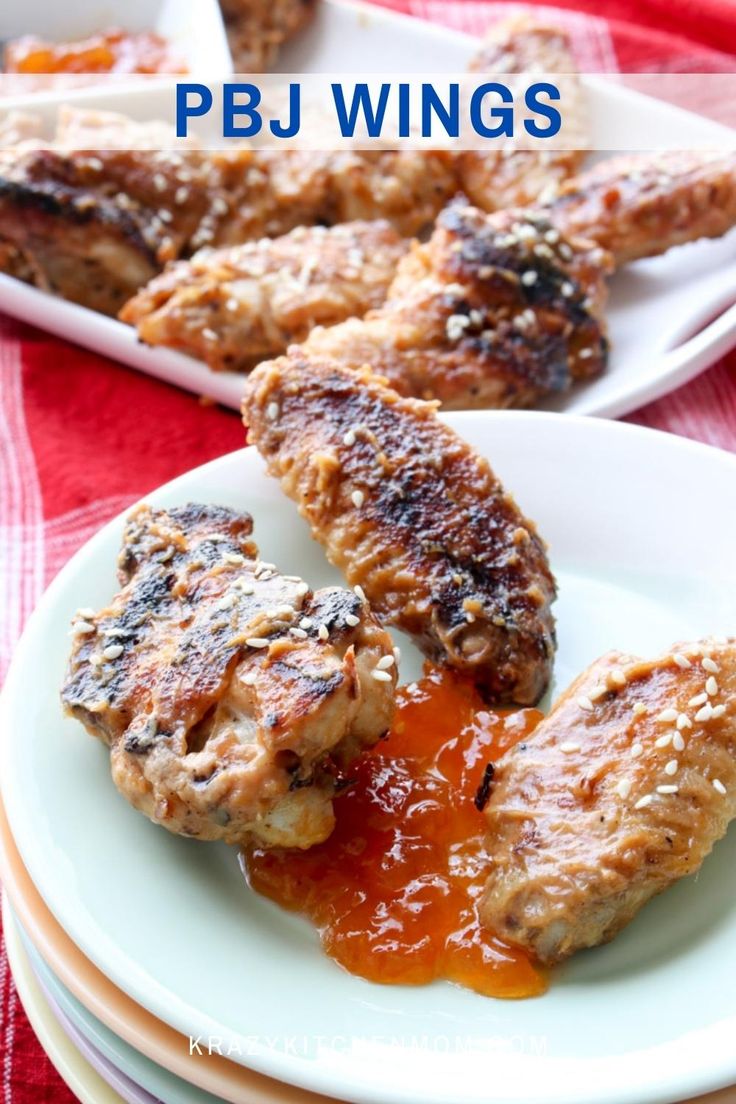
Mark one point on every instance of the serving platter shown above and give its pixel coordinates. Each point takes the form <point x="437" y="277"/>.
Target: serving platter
<point x="669" y="317"/>
<point x="631" y="577"/>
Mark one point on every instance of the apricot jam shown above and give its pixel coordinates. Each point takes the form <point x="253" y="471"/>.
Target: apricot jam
<point x="111" y="51"/>
<point x="393" y="891"/>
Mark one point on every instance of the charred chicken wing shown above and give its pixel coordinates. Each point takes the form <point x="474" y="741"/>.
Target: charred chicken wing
<point x="234" y="307"/>
<point x="622" y="789"/>
<point x="493" y="311"/>
<point x="412" y="515"/>
<point x="231" y="696"/>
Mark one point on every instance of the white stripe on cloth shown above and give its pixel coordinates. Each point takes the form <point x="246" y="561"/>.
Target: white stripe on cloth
<point x="591" y="39"/>
<point x="21" y="508"/>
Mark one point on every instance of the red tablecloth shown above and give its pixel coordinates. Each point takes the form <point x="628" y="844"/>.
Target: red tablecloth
<point x="81" y="437"/>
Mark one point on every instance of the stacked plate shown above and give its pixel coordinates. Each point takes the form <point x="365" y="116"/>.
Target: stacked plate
<point x="145" y="950"/>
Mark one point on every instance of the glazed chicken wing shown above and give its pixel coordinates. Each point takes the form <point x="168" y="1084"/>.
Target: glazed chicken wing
<point x="622" y="789"/>
<point x="498" y="178"/>
<point x="493" y="311"/>
<point x="412" y="515"/>
<point x="639" y="205"/>
<point x="231" y="696"/>
<point x="257" y="28"/>
<point x="233" y="307"/>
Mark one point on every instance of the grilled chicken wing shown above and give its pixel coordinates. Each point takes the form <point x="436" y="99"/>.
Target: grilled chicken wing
<point x="620" y="791"/>
<point x="493" y="311"/>
<point x="499" y="178"/>
<point x="257" y="28"/>
<point x="639" y="205"/>
<point x="412" y="515"/>
<point x="231" y="696"/>
<point x="234" y="307"/>
<point x="99" y="225"/>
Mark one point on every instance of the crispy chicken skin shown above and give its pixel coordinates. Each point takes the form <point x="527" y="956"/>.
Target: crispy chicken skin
<point x="412" y="515"/>
<point x="622" y="789"/>
<point x="639" y="205"/>
<point x="256" y="29"/>
<point x="493" y="311"/>
<point x="231" y="696"/>
<point x="233" y="307"/>
<point x="498" y="178"/>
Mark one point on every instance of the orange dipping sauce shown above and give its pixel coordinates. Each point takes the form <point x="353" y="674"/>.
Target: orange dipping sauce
<point x="393" y="891"/>
<point x="111" y="51"/>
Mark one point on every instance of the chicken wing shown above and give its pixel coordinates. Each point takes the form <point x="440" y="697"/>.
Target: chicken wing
<point x="493" y="311"/>
<point x="233" y="307"/>
<point x="256" y="29"/>
<point x="508" y="177"/>
<point x="231" y="696"/>
<point x="412" y="515"/>
<point x="639" y="205"/>
<point x="622" y="789"/>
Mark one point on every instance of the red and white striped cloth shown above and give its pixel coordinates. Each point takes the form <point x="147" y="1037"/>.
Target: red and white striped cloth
<point x="82" y="437"/>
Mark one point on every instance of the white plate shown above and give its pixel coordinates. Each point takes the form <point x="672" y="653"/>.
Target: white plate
<point x="194" y="27"/>
<point x="642" y="542"/>
<point x="655" y="305"/>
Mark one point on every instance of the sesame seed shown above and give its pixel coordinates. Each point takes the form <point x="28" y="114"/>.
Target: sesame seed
<point x="360" y="592"/>
<point x="718" y="711"/>
<point x="245" y="587"/>
<point x="397" y="655"/>
<point x="323" y="632"/>
<point x="636" y="750"/>
<point x="181" y="195"/>
<point x="667" y="715"/>
<point x="272" y="411"/>
<point x="677" y="742"/>
<point x="305" y="623"/>
<point x="86" y="612"/>
<point x="643" y="802"/>
<point x="298" y="633"/>
<point x="257" y="642"/>
<point x="668" y="789"/>
<point x="617" y="677"/>
<point x="349" y="438"/>
<point x="705" y="713"/>
<point x="567" y="288"/>
<point x="530" y="277"/>
<point x="164" y="215"/>
<point x="569" y="747"/>
<point x="682" y="661"/>
<point x="385" y="662"/>
<point x="639" y="708"/>
<point x="226" y="602"/>
<point x="358" y="498"/>
<point x="159" y="182"/>
<point x="82" y="628"/>
<point x="250" y="678"/>
<point x="710" y="665"/>
<point x="232" y="304"/>
<point x="352" y="620"/>
<point x="697" y="700"/>
<point x="711" y="687"/>
<point x="623" y="787"/>
<point x="552" y="236"/>
<point x="112" y="651"/>
<point x="469" y="617"/>
<point x="380" y="676"/>
<point x="671" y="767"/>
<point x="663" y="741"/>
<point x="718" y="785"/>
<point x="209" y="334"/>
<point x="220" y="206"/>
<point x="598" y="692"/>
<point x="585" y="703"/>
<point x="683" y="721"/>
<point x="302" y="589"/>
<point x="234" y="558"/>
